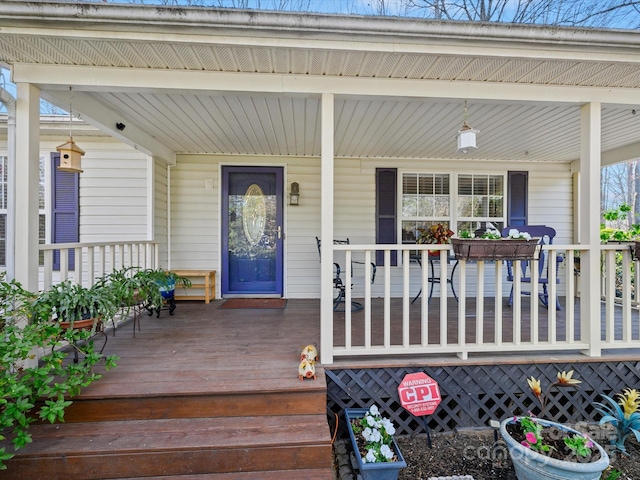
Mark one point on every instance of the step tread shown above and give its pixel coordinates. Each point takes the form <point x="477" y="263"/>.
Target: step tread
<point x="95" y="438"/>
<point x="144" y="384"/>
<point x="189" y="406"/>
<point x="310" y="474"/>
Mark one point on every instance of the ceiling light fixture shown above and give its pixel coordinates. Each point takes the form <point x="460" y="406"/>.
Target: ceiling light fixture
<point x="70" y="153"/>
<point x="466" y="135"/>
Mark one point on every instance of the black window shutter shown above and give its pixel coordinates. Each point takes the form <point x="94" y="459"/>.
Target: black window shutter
<point x="386" y="215"/>
<point x="65" y="210"/>
<point x="517" y="195"/>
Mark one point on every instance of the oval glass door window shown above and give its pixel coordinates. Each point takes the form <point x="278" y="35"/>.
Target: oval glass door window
<point x="254" y="213"/>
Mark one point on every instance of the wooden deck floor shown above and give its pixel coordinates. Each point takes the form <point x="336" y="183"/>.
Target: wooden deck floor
<point x="204" y="347"/>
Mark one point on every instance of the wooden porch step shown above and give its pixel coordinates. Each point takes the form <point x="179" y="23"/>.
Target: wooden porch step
<point x="132" y="449"/>
<point x="311" y="402"/>
<point x="310" y="474"/>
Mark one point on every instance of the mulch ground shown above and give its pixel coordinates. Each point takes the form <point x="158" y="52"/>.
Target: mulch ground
<point x="477" y="454"/>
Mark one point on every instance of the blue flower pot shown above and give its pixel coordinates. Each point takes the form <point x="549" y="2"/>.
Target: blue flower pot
<point x="530" y="465"/>
<point x="167" y="288"/>
<point x="373" y="471"/>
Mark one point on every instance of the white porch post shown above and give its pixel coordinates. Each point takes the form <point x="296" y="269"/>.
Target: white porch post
<point x="326" y="229"/>
<point x="590" y="133"/>
<point x="27" y="180"/>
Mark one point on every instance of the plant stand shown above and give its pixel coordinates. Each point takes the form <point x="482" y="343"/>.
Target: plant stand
<point x="530" y="465"/>
<point x="373" y="471"/>
<point x="85" y="324"/>
<point x="168" y="303"/>
<point x="498" y="249"/>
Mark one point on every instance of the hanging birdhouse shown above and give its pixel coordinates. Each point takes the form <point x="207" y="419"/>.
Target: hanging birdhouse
<point x="70" y="155"/>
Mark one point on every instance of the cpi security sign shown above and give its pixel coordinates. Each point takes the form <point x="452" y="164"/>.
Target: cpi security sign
<point x="419" y="394"/>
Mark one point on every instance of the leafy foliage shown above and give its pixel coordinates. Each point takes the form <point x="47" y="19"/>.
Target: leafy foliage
<point x="616" y="228"/>
<point x="32" y="387"/>
<point x="374" y="435"/>
<point x="624" y="416"/>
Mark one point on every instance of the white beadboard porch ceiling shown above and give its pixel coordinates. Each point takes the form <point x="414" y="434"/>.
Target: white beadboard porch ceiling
<point x="365" y="127"/>
<point x="254" y="123"/>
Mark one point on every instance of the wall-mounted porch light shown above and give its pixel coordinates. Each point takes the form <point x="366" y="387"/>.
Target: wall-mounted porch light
<point x="294" y="194"/>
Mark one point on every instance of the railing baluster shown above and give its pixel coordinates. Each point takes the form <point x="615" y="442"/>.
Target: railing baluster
<point x="626" y="295"/>
<point x="570" y="295"/>
<point x="387" y="298"/>
<point x="479" y="305"/>
<point x="517" y="304"/>
<point x="610" y="292"/>
<point x="48" y="269"/>
<point x="424" y="304"/>
<point x="498" y="304"/>
<point x="347" y="299"/>
<point x="552" y="292"/>
<point x="405" y="298"/>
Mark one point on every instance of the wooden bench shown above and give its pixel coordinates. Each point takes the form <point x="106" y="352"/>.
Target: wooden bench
<point x="209" y="285"/>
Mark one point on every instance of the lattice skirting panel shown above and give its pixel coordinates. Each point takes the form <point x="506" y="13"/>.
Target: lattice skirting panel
<point x="472" y="395"/>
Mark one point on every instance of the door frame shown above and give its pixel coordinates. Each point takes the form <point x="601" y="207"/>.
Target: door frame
<point x="280" y="172"/>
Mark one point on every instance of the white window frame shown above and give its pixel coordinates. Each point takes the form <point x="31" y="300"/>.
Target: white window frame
<point x="454" y="218"/>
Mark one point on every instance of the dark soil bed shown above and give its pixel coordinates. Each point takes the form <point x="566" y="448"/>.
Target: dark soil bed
<point x="477" y="454"/>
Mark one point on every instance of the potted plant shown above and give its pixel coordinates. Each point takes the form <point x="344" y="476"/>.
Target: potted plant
<point x="159" y="286"/>
<point x="492" y="246"/>
<point x="376" y="451"/>
<point x="542" y="449"/>
<point x="436" y="234"/>
<point x="74" y="306"/>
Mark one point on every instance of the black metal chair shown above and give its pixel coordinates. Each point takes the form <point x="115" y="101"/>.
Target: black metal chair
<point x="338" y="284"/>
<point x="546" y="235"/>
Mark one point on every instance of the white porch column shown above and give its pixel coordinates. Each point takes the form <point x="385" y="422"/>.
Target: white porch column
<point x="589" y="212"/>
<point x="326" y="228"/>
<point x="27" y="181"/>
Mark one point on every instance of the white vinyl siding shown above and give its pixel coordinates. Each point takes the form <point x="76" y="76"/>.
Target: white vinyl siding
<point x="113" y="193"/>
<point x="195" y="218"/>
<point x="160" y="214"/>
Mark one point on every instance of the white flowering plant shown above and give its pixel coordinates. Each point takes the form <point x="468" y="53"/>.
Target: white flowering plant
<point x="374" y="436"/>
<point x="515" y="234"/>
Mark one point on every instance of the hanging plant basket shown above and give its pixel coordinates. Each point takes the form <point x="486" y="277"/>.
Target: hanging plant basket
<point x="498" y="249"/>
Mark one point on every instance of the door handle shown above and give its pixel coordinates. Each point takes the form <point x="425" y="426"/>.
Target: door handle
<point x="280" y="232"/>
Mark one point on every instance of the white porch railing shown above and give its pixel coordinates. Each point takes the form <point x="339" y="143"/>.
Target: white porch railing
<point x="522" y="327"/>
<point x="94" y="260"/>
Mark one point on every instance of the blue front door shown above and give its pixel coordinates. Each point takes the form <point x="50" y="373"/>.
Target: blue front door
<point x="252" y="239"/>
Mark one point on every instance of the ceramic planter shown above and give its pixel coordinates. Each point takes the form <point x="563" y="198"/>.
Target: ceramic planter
<point x="373" y="471"/>
<point x="530" y="465"/>
<point x="498" y="249"/>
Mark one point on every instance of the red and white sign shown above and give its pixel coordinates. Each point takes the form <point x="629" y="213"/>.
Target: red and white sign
<point x="419" y="394"/>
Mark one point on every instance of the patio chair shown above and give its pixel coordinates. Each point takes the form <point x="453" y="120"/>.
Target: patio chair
<point x="338" y="284"/>
<point x="546" y="235"/>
